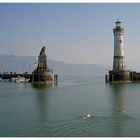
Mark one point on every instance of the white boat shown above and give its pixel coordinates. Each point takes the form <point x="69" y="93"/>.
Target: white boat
<point x="13" y="79"/>
<point x="19" y="79"/>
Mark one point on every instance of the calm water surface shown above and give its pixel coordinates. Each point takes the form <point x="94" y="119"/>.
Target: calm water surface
<point x="60" y="110"/>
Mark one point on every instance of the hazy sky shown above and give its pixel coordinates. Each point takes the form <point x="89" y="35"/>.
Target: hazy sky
<point x="74" y="33"/>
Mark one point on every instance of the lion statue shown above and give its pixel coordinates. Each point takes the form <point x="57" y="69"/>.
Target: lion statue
<point x="42" y="52"/>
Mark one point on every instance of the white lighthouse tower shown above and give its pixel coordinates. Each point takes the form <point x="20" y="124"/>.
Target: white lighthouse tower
<point x="118" y="60"/>
<point x="118" y="73"/>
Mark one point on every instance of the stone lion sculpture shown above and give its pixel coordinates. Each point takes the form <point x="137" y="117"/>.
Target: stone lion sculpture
<point x="42" y="52"/>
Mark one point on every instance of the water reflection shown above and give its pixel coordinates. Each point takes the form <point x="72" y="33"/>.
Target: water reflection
<point x="41" y="85"/>
<point x="42" y="103"/>
<point x="118" y="101"/>
<point x="118" y="97"/>
<point x="42" y="107"/>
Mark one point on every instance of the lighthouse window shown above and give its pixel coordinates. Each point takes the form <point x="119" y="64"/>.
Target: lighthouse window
<point x="120" y="41"/>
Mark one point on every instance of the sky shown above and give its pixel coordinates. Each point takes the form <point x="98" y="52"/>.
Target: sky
<point x="72" y="32"/>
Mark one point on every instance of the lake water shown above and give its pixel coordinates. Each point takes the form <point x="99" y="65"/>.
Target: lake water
<point x="60" y="111"/>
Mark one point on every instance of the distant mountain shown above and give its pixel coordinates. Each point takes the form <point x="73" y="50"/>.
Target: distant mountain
<point x="21" y="64"/>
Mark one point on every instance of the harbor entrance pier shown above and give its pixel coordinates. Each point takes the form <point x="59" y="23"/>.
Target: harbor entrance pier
<point x="42" y="74"/>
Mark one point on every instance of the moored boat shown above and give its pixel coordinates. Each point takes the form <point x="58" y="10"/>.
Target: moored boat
<point x="19" y="79"/>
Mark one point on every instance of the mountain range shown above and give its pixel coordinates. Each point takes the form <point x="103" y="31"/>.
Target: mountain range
<point x="21" y="64"/>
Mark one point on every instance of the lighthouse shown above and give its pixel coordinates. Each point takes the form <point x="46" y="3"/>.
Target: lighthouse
<point x="119" y="72"/>
<point x="118" y="60"/>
